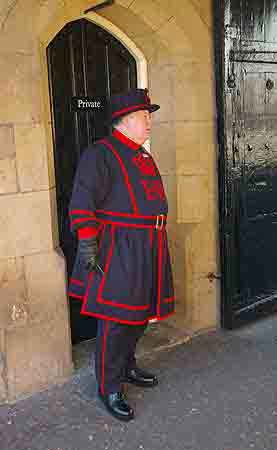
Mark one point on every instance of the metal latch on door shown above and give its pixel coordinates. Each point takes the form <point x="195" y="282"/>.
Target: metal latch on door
<point x="213" y="276"/>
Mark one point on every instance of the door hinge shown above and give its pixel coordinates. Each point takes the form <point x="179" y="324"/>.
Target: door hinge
<point x="232" y="32"/>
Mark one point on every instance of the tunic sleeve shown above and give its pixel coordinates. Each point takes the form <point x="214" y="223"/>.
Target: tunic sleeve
<point x="92" y="184"/>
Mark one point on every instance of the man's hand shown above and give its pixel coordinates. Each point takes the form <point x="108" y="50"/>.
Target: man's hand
<point x="88" y="249"/>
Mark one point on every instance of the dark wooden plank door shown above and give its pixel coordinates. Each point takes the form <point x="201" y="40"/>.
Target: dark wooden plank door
<point x="83" y="60"/>
<point x="248" y="162"/>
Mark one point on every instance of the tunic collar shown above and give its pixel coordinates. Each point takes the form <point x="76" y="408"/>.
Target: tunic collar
<point x="125" y="139"/>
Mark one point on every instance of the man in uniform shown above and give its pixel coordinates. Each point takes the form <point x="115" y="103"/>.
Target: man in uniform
<point x="122" y="271"/>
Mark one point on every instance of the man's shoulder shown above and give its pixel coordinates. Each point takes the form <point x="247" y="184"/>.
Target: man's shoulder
<point x="96" y="149"/>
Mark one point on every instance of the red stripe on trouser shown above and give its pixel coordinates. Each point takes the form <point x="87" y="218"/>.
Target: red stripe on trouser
<point x="103" y="357"/>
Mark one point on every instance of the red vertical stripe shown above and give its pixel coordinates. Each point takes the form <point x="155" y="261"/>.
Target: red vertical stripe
<point x="103" y="356"/>
<point x="160" y="260"/>
<point x="81" y="211"/>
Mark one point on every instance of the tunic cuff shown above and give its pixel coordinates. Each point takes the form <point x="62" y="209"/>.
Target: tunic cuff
<point x="87" y="232"/>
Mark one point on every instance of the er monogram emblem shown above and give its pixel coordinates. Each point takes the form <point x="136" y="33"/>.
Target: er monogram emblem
<point x="145" y="165"/>
<point x="154" y="189"/>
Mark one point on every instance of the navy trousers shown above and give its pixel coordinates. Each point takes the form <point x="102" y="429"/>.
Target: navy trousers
<point x="115" y="352"/>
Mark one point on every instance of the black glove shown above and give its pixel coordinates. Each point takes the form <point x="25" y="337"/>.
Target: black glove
<point x="88" y="249"/>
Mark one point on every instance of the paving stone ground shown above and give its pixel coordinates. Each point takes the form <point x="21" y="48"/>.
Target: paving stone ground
<point x="216" y="392"/>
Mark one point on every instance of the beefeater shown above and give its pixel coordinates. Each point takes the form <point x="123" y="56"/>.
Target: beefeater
<point x="122" y="272"/>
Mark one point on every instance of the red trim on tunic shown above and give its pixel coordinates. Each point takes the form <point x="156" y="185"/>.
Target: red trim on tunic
<point x="79" y="297"/>
<point x="81" y="211"/>
<point x="123" y="305"/>
<point x="87" y="232"/>
<point x="103" y="357"/>
<point x="125" y="173"/>
<point x="169" y="299"/>
<point x="74" y="281"/>
<point x="130" y="108"/>
<point x="84" y="219"/>
<point x="125" y="139"/>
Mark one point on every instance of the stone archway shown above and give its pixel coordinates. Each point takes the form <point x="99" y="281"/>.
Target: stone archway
<point x="176" y="42"/>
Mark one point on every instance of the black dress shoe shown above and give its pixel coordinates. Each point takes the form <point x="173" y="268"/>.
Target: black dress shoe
<point x="141" y="377"/>
<point x="117" y="405"/>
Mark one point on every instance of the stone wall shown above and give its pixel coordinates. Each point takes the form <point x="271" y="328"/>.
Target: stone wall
<point x="176" y="39"/>
<point x="35" y="347"/>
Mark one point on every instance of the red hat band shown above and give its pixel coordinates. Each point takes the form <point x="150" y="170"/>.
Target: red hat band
<point x="131" y="101"/>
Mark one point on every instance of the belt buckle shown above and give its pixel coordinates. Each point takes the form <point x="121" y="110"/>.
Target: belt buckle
<point x="159" y="226"/>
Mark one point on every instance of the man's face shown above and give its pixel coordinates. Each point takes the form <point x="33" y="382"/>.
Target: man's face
<point x="138" y="125"/>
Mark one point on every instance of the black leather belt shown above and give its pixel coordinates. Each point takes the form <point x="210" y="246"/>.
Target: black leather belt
<point x="133" y="220"/>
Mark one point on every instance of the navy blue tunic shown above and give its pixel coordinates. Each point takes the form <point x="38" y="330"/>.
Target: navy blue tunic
<point x="116" y="181"/>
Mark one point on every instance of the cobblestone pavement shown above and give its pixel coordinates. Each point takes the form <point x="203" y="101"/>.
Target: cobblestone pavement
<point x="216" y="392"/>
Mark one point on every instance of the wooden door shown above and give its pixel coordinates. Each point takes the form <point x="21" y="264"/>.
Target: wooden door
<point x="247" y="85"/>
<point x="83" y="60"/>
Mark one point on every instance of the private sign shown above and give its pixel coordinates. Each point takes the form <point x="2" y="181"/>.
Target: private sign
<point x="87" y="103"/>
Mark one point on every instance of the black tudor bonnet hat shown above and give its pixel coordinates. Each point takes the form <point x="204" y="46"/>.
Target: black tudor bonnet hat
<point x="130" y="101"/>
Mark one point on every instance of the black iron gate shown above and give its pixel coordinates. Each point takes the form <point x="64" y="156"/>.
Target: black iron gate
<point x="246" y="61"/>
<point x="83" y="60"/>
